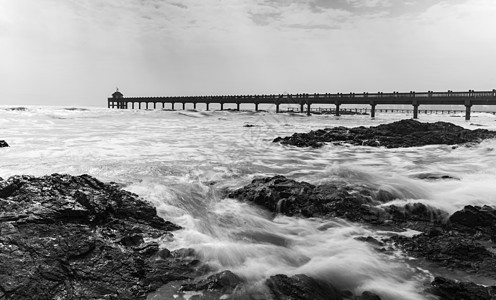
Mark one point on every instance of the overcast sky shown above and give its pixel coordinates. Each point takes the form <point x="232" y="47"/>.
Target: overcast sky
<point x="76" y="52"/>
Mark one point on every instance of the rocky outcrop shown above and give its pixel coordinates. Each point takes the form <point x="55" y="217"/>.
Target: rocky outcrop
<point x="461" y="244"/>
<point x="355" y="203"/>
<point x="453" y="290"/>
<point x="3" y="144"/>
<point x="74" y="237"/>
<point x="300" y="287"/>
<point x="404" y="133"/>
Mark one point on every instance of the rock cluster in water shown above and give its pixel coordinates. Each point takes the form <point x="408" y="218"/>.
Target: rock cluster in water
<point x="74" y="237"/>
<point x="461" y="242"/>
<point x="3" y="144"/>
<point x="404" y="133"/>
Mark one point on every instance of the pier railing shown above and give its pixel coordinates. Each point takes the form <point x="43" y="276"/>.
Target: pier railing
<point x="466" y="98"/>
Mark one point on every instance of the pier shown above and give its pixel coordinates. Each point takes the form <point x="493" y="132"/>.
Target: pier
<point x="306" y="101"/>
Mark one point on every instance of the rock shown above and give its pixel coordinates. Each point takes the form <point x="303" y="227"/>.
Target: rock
<point x="223" y="282"/>
<point x="355" y="203"/>
<point x="450" y="249"/>
<point x="300" y="287"/>
<point x="74" y="237"/>
<point x="370" y="296"/>
<point x="475" y="220"/>
<point x="434" y="176"/>
<point x="3" y="144"/>
<point x="404" y="133"/>
<point x="448" y="289"/>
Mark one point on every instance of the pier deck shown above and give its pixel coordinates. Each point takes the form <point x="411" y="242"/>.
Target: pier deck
<point x="305" y="101"/>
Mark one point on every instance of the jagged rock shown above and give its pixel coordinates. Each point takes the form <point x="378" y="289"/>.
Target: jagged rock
<point x="300" y="287"/>
<point x="355" y="203"/>
<point x="476" y="220"/>
<point x="450" y="249"/>
<point x="369" y="296"/>
<point x="74" y="237"/>
<point x="3" y="144"/>
<point x="223" y="282"/>
<point x="448" y="289"/>
<point x="404" y="133"/>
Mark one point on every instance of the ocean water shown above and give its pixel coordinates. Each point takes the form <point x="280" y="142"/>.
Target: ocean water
<point x="181" y="160"/>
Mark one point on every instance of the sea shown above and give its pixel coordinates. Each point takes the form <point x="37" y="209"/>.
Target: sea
<point x="181" y="161"/>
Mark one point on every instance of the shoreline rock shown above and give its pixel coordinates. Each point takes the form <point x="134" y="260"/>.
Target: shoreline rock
<point x="361" y="204"/>
<point x="462" y="242"/>
<point x="68" y="237"/>
<point x="404" y="133"/>
<point x="3" y="144"/>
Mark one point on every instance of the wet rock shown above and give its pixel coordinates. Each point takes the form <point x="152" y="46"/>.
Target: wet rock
<point x="434" y="176"/>
<point x="223" y="282"/>
<point x="369" y="296"/>
<point x="355" y="203"/>
<point x="404" y="133"/>
<point x="475" y="220"/>
<point x="450" y="249"/>
<point x="447" y="289"/>
<point x="74" y="237"/>
<point x="3" y="144"/>
<point x="300" y="287"/>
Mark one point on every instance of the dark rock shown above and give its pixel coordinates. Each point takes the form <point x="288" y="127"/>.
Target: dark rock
<point x="404" y="133"/>
<point x="3" y="144"/>
<point x="223" y="282"/>
<point x="300" y="287"/>
<point x="448" y="289"/>
<point x="475" y="220"/>
<point x="355" y="203"/>
<point x="74" y="237"/>
<point x="370" y="296"/>
<point x="434" y="176"/>
<point x="450" y="249"/>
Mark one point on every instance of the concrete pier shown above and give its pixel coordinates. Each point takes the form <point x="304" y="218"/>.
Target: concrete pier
<point x="415" y="99"/>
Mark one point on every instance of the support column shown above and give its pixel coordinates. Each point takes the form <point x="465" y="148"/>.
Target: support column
<point x="172" y="105"/>
<point x="337" y="110"/>
<point x="146" y="105"/>
<point x="221" y="106"/>
<point x="207" y="104"/>
<point x="256" y="106"/>
<point x="154" y="105"/>
<point x="163" y="105"/>
<point x="302" y="107"/>
<point x="415" y="111"/>
<point x="108" y="104"/>
<point x="132" y="105"/>
<point x="277" y="108"/>
<point x="372" y="110"/>
<point x="467" y="112"/>
<point x="184" y="105"/>
<point x="308" y="108"/>
<point x="139" y="105"/>
<point x="237" y="106"/>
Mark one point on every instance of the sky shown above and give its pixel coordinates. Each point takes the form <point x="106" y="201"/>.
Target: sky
<point x="77" y="52"/>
